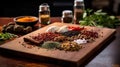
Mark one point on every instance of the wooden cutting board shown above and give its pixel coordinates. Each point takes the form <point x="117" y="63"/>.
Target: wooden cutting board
<point x="62" y="57"/>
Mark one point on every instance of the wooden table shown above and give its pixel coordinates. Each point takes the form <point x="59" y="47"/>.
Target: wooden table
<point x="108" y="56"/>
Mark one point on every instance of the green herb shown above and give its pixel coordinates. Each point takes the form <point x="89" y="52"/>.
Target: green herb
<point x="6" y="36"/>
<point x="99" y="19"/>
<point x="50" y="45"/>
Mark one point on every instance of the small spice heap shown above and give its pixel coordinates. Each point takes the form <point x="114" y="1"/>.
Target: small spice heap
<point x="70" y="46"/>
<point x="48" y="36"/>
<point x="51" y="45"/>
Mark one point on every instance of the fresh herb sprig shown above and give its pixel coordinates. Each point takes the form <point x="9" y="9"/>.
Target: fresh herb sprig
<point x="99" y="19"/>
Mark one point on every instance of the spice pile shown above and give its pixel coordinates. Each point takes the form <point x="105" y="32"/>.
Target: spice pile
<point x="67" y="38"/>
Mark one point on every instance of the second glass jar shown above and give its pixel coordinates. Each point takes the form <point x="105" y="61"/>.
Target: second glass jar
<point x="67" y="16"/>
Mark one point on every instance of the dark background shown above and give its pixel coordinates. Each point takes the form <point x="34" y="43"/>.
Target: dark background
<point x="12" y="8"/>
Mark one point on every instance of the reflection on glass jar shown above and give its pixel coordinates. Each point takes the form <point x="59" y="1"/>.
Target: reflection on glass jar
<point x="67" y="16"/>
<point x="44" y="14"/>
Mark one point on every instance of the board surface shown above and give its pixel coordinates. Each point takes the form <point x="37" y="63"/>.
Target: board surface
<point x="75" y="58"/>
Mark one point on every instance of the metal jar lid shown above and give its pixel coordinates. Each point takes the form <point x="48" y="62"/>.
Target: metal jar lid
<point x="79" y="2"/>
<point x="44" y="6"/>
<point x="67" y="13"/>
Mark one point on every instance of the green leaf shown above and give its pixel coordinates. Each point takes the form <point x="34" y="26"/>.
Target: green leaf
<point x="84" y="14"/>
<point x="100" y="10"/>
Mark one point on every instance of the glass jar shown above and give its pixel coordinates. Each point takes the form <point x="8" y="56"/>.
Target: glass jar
<point x="78" y="10"/>
<point x="44" y="14"/>
<point x="67" y="16"/>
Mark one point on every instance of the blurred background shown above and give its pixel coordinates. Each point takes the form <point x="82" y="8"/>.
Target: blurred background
<point x="14" y="8"/>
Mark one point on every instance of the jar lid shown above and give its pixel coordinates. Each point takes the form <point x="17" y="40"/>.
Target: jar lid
<point x="79" y="0"/>
<point x="67" y="12"/>
<point x="44" y="6"/>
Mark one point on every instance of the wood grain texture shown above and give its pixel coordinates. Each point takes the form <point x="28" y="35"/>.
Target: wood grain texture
<point x="68" y="58"/>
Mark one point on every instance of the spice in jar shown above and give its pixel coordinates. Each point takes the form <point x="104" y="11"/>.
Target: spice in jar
<point x="67" y="16"/>
<point x="78" y="10"/>
<point x="44" y="14"/>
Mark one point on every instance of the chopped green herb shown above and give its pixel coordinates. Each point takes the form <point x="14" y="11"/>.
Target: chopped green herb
<point x="6" y="36"/>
